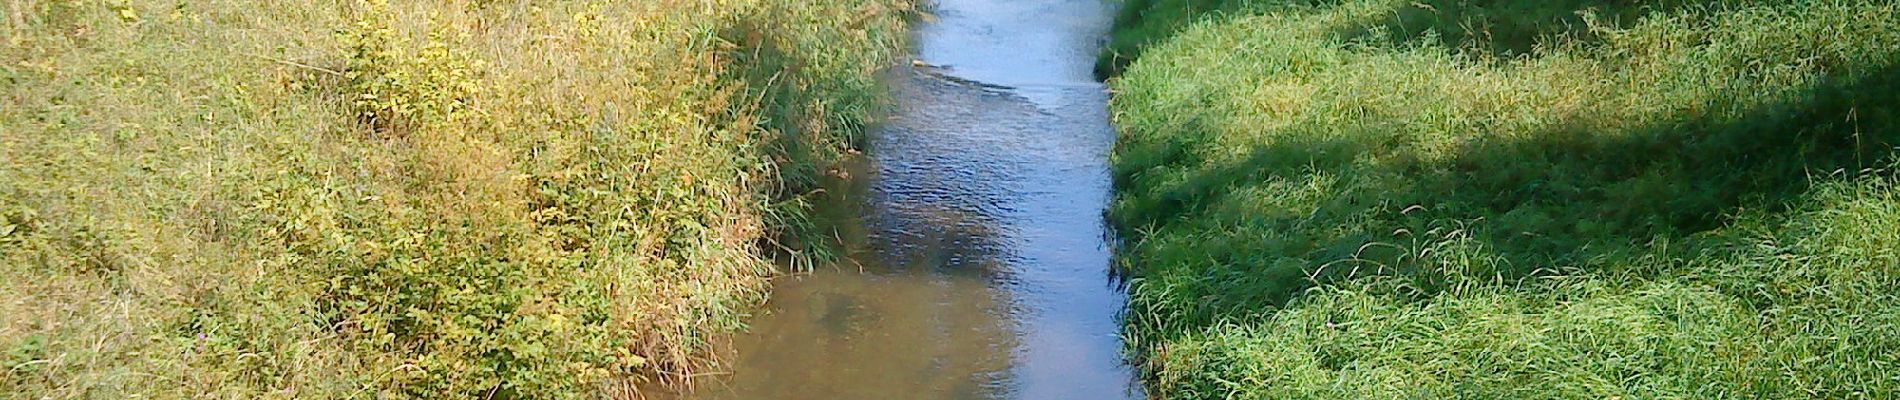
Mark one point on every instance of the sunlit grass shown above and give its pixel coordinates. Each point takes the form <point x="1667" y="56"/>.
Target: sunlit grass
<point x="1581" y="199"/>
<point x="325" y="199"/>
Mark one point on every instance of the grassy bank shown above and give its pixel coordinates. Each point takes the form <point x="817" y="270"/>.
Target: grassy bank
<point x="1142" y="23"/>
<point x="353" y="199"/>
<point x="1493" y="199"/>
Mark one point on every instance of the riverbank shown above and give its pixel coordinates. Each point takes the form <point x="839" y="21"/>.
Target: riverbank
<point x="318" y="199"/>
<point x="1490" y="199"/>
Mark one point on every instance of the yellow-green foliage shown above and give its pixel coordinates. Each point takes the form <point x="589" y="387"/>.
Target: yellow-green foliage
<point x="393" y="87"/>
<point x="1499" y="199"/>
<point x="324" y="199"/>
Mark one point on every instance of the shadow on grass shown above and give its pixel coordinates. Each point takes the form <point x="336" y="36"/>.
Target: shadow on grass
<point x="1143" y="23"/>
<point x="1678" y="177"/>
<point x="1284" y="158"/>
<point x="1503" y="28"/>
<point x="1555" y="201"/>
<point x="1506" y="28"/>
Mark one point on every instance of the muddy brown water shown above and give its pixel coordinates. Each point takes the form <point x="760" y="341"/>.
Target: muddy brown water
<point x="977" y="259"/>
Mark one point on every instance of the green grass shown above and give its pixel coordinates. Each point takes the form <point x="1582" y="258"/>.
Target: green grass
<point x="357" y="199"/>
<point x="1491" y="199"/>
<point x="1501" y="28"/>
<point x="1141" y="23"/>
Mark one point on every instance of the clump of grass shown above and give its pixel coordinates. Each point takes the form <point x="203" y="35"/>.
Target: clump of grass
<point x="493" y="199"/>
<point x="1504" y="194"/>
<point x="1141" y="23"/>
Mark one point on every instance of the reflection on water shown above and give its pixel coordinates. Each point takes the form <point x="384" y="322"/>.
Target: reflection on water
<point x="977" y="263"/>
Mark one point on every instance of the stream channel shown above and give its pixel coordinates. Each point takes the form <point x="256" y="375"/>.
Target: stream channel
<point x="976" y="260"/>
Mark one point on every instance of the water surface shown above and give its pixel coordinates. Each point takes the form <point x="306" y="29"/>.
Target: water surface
<point x="978" y="258"/>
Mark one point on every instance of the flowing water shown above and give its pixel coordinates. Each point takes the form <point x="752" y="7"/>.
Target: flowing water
<point x="978" y="259"/>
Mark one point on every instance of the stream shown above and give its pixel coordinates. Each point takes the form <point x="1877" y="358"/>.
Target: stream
<point x="977" y="259"/>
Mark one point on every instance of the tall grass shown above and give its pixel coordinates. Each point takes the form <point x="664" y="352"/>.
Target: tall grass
<point x="351" y="199"/>
<point x="1141" y="23"/>
<point x="1578" y="199"/>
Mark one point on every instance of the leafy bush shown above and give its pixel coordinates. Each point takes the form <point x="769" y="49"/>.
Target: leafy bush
<point x="390" y="86"/>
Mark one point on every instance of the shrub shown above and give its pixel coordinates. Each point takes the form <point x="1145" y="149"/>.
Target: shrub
<point x="392" y="86"/>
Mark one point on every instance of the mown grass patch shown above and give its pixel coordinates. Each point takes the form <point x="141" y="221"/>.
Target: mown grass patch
<point x="1508" y="199"/>
<point x="328" y="199"/>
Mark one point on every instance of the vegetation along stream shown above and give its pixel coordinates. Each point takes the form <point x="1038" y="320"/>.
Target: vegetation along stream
<point x="1309" y="199"/>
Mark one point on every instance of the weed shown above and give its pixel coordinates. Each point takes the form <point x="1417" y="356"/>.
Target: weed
<point x="369" y="199"/>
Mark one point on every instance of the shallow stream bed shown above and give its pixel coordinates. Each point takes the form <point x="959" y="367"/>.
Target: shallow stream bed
<point x="977" y="259"/>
